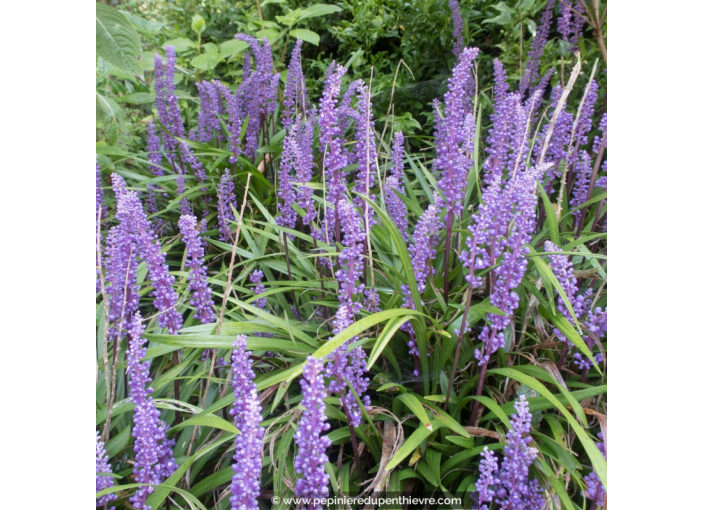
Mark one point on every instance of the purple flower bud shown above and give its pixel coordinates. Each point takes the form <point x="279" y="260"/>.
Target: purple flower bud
<point x="311" y="457"/>
<point x="102" y="465"/>
<point x="457" y="27"/>
<point x="247" y="414"/>
<point x="154" y="460"/>
<point x="394" y="182"/>
<point x="198" y="282"/>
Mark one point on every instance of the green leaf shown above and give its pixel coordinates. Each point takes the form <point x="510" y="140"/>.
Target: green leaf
<point x="318" y="10"/>
<point x="206" y="61"/>
<point x="559" y="320"/>
<point x="115" y="39"/>
<point x="416" y="408"/>
<point x="197" y="24"/>
<point x="232" y="47"/>
<point x="180" y="44"/>
<point x="137" y="98"/>
<point x="306" y="35"/>
<point x="550" y="216"/>
<point x="208" y="420"/>
<point x="411" y="444"/>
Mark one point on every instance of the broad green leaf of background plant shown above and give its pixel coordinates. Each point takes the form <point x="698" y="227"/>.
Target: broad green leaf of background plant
<point x="115" y="39"/>
<point x="306" y="35"/>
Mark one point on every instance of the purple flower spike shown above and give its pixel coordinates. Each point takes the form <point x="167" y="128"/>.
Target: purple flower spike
<point x="247" y="414"/>
<point x="256" y="279"/>
<point x="395" y="206"/>
<point x="285" y="192"/>
<point x="102" y="465"/>
<point x="595" y="489"/>
<point x="457" y="27"/>
<point x="537" y="47"/>
<point x="488" y="467"/>
<point x="198" y="283"/>
<point x="295" y="98"/>
<point x="365" y="155"/>
<point x="454" y="134"/>
<point x="311" y="457"/>
<point x="512" y="489"/>
<point x="226" y="202"/>
<point x="335" y="157"/>
<point x="154" y="460"/>
<point x="257" y="93"/>
<point x="345" y="366"/>
<point x="304" y="172"/>
<point x="131" y="215"/>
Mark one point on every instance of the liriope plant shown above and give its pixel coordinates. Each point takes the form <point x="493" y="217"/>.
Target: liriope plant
<point x="397" y="320"/>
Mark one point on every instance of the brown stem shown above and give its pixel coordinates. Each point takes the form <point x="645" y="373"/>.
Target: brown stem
<point x="563" y="355"/>
<point x="480" y="387"/>
<point x="448" y="235"/>
<point x="459" y="342"/>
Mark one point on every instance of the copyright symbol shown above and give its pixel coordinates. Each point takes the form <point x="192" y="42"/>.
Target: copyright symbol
<point x="275" y="500"/>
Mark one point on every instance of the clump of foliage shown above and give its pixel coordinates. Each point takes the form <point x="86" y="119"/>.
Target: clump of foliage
<point x="303" y="291"/>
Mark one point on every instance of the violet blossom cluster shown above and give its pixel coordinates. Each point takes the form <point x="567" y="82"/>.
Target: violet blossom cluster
<point x="227" y="202"/>
<point x="154" y="460"/>
<point x="580" y="190"/>
<point x="422" y="252"/>
<point x="304" y="170"/>
<point x="454" y="134"/>
<point x="349" y="366"/>
<point x="210" y="108"/>
<point x="155" y="159"/>
<point x="285" y="192"/>
<point x="511" y="487"/>
<point x="365" y="155"/>
<point x="394" y="183"/>
<point x="595" y="489"/>
<point x="247" y="414"/>
<point x="198" y="283"/>
<point x="334" y="155"/>
<point x="257" y="93"/>
<point x="558" y="145"/>
<point x="169" y="114"/>
<point x="537" y="48"/>
<point x="457" y="28"/>
<point x="137" y="233"/>
<point x="594" y="320"/>
<point x="256" y="278"/>
<point x="310" y="459"/>
<point x="295" y="98"/>
<point x="518" y="200"/>
<point x="570" y="22"/>
<point x="102" y="465"/>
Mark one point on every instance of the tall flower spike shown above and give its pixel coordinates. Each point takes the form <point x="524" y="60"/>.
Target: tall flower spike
<point x="536" y="48"/>
<point x="454" y="134"/>
<point x="170" y="116"/>
<point x="131" y="214"/>
<point x="295" y="98"/>
<point x="515" y="489"/>
<point x="227" y="201"/>
<point x="155" y="160"/>
<point x="394" y="182"/>
<point x="154" y="460"/>
<point x="257" y="93"/>
<point x="198" y="282"/>
<point x="256" y="279"/>
<point x="102" y="465"/>
<point x="346" y="366"/>
<point x="365" y="155"/>
<point x="457" y="27"/>
<point x="334" y="156"/>
<point x="304" y="171"/>
<point x="422" y="251"/>
<point x="488" y="468"/>
<point x="247" y="415"/>
<point x="234" y="111"/>
<point x="288" y="216"/>
<point x="311" y="457"/>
